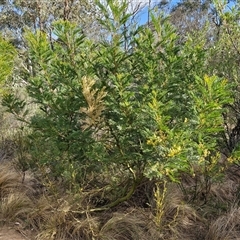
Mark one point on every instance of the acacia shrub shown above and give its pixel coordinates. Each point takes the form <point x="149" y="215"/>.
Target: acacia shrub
<point x="134" y="104"/>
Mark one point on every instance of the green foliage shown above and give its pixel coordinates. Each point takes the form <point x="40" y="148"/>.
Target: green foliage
<point x="181" y="145"/>
<point x="7" y="54"/>
<point x="56" y="88"/>
<point x="137" y="100"/>
<point x="223" y="61"/>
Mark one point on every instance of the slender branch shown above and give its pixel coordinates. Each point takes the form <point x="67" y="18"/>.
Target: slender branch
<point x="115" y="137"/>
<point x="65" y="10"/>
<point x="231" y="39"/>
<point x="114" y="203"/>
<point x="149" y="4"/>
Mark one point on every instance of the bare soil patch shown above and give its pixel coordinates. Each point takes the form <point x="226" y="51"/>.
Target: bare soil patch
<point x="11" y="234"/>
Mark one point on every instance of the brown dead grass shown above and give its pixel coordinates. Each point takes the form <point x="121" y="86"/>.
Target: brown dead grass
<point x="181" y="220"/>
<point x="225" y="227"/>
<point x="52" y="215"/>
<point x="130" y="224"/>
<point x="14" y="201"/>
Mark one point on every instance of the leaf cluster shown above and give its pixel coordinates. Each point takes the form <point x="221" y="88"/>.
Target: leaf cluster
<point x="137" y="102"/>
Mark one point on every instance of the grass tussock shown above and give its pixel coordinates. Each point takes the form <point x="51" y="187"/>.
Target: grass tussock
<point x="15" y="204"/>
<point x="166" y="214"/>
<point x="180" y="220"/>
<point x="14" y="207"/>
<point x="131" y="225"/>
<point x="9" y="180"/>
<point x="60" y="217"/>
<point x="225" y="227"/>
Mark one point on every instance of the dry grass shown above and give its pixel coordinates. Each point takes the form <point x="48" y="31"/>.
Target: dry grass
<point x="15" y="207"/>
<point x="62" y="218"/>
<point x="15" y="203"/>
<point x="55" y="216"/>
<point x="180" y="219"/>
<point x="225" y="227"/>
<point x="133" y="225"/>
<point x="9" y="180"/>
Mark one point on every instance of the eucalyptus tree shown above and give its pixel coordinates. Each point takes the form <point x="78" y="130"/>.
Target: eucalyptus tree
<point x="190" y="16"/>
<point x="17" y="15"/>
